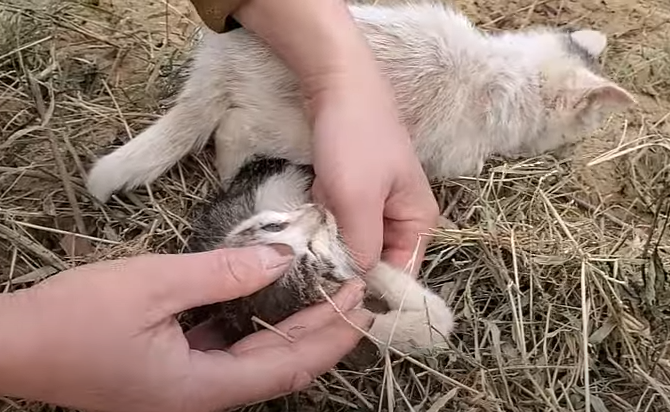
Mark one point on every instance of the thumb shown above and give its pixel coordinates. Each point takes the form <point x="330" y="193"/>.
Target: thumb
<point x="181" y="282"/>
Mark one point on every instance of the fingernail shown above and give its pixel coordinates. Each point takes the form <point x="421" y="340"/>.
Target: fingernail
<point x="275" y="256"/>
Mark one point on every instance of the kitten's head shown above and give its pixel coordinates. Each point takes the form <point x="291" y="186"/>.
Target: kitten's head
<point x="310" y="230"/>
<point x="577" y="99"/>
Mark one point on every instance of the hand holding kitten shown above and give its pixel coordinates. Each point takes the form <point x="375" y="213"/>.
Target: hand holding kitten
<point x="367" y="172"/>
<point x="104" y="337"/>
<point x="369" y="177"/>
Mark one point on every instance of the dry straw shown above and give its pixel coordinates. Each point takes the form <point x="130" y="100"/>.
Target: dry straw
<point x="556" y="268"/>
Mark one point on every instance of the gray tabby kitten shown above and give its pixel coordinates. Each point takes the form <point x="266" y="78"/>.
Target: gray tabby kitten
<point x="463" y="94"/>
<point x="267" y="202"/>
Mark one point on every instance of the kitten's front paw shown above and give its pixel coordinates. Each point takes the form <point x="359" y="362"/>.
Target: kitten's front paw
<point x="105" y="177"/>
<point x="416" y="331"/>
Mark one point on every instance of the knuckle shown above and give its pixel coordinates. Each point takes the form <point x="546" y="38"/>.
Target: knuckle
<point x="431" y="201"/>
<point x="298" y="381"/>
<point x="428" y="208"/>
<point x="432" y="212"/>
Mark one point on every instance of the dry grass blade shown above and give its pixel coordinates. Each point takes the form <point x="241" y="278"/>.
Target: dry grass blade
<point x="29" y="245"/>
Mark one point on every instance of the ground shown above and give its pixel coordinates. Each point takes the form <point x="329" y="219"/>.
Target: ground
<point x="558" y="264"/>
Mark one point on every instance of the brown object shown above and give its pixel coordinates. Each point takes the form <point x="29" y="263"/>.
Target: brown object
<point x="216" y="14"/>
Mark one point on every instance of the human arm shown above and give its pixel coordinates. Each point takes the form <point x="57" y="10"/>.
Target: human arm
<point x="381" y="199"/>
<point x="104" y="336"/>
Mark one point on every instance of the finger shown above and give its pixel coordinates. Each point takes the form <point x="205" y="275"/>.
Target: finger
<point x="410" y="215"/>
<point x="407" y="250"/>
<point x="304" y="322"/>
<point x="175" y="283"/>
<point x="270" y="372"/>
<point x="360" y="219"/>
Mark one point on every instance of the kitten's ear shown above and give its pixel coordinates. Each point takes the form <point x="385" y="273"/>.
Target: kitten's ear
<point x="590" y="92"/>
<point x="609" y="97"/>
<point x="593" y="41"/>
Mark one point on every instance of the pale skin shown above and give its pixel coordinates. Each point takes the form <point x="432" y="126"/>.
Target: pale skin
<point x="104" y="337"/>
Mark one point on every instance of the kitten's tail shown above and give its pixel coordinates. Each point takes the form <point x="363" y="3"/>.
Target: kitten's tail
<point x="183" y="129"/>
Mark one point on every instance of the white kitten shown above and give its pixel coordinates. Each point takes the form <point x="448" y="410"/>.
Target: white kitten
<point x="464" y="95"/>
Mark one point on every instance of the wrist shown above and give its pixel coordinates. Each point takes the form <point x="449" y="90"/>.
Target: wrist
<point x="367" y="91"/>
<point x="321" y="43"/>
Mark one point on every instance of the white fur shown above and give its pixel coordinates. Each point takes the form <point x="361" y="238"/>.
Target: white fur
<point x="418" y="320"/>
<point x="464" y="95"/>
<point x="591" y="40"/>
<point x="283" y="192"/>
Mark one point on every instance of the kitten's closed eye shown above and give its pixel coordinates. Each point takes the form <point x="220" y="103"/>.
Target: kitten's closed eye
<point x="274" y="227"/>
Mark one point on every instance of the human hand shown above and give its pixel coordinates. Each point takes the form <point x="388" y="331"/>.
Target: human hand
<point x="368" y="175"/>
<point x="367" y="171"/>
<point x="104" y="337"/>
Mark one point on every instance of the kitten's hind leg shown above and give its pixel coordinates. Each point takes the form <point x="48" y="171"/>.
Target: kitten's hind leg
<point x="184" y="128"/>
<point x="418" y="319"/>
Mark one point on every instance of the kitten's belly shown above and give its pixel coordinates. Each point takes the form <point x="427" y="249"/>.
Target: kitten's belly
<point x="451" y="154"/>
<point x="287" y="144"/>
<point x="266" y="130"/>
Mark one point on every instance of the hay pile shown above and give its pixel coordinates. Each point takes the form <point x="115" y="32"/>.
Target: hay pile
<point x="557" y="271"/>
